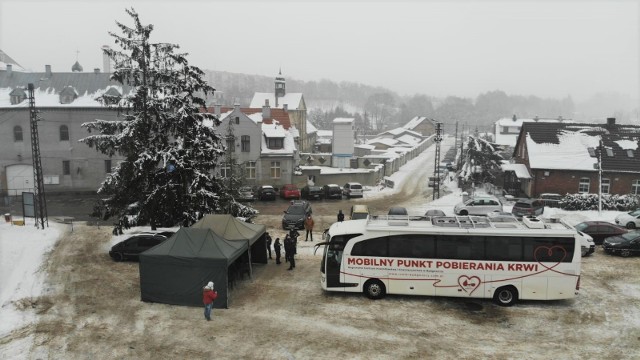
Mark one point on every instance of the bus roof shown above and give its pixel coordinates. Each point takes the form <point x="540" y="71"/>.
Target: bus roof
<point x="478" y="225"/>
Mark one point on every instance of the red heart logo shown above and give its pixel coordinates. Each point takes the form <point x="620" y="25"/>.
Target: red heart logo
<point x="554" y="254"/>
<point x="469" y="283"/>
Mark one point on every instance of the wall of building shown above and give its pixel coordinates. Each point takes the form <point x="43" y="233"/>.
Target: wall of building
<point x="87" y="166"/>
<point x="567" y="182"/>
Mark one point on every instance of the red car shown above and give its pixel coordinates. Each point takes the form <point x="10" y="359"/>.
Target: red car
<point x="289" y="191"/>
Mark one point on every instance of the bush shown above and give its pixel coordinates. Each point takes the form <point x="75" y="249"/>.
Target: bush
<point x="590" y="202"/>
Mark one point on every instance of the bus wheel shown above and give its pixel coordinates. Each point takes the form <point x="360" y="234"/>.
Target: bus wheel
<point x="506" y="296"/>
<point x="374" y="289"/>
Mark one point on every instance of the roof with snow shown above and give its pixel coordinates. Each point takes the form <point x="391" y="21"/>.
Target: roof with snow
<point x="293" y="100"/>
<point x="520" y="169"/>
<point x="277" y="131"/>
<point x="383" y="141"/>
<point x="571" y="146"/>
<point x="324" y="133"/>
<point x="416" y="121"/>
<point x="343" y="120"/>
<point x="508" y="129"/>
<point x="6" y="59"/>
<point x="311" y="128"/>
<point x="278" y="115"/>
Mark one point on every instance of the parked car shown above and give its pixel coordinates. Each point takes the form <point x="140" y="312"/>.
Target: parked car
<point x="551" y="200"/>
<point x="266" y="192"/>
<point x="312" y="192"/>
<point x="528" y="207"/>
<point x="630" y="220"/>
<point x="599" y="230"/>
<point x="352" y="189"/>
<point x="246" y="194"/>
<point x="131" y="248"/>
<point x="295" y="214"/>
<point x="398" y="211"/>
<point x="359" y="212"/>
<point x="624" y="245"/>
<point x="289" y="191"/>
<point x="481" y="205"/>
<point x="434" y="212"/>
<point x="332" y="191"/>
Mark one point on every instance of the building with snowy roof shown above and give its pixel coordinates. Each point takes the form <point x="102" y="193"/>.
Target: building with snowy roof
<point x="65" y="100"/>
<point x="508" y="129"/>
<point x="422" y="125"/>
<point x="293" y="103"/>
<point x="562" y="158"/>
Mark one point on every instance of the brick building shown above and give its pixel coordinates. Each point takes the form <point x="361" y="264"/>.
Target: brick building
<point x="563" y="158"/>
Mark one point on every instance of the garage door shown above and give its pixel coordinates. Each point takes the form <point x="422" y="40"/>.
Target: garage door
<point x="19" y="179"/>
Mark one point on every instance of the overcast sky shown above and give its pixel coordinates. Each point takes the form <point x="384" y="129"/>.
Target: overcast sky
<point x="543" y="48"/>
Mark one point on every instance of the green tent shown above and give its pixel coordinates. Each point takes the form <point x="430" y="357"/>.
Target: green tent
<point x="176" y="271"/>
<point x="232" y="229"/>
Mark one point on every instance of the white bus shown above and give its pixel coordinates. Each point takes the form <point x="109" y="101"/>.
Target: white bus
<point x="460" y="256"/>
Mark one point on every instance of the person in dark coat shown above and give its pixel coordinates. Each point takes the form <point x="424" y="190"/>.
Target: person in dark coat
<point x="268" y="237"/>
<point x="340" y="216"/>
<point x="276" y="247"/>
<point x="289" y="248"/>
<point x="285" y="244"/>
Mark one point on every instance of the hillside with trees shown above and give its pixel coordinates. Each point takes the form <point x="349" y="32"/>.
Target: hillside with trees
<point x="376" y="108"/>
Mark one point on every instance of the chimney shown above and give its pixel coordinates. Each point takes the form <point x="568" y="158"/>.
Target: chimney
<point x="514" y="118"/>
<point x="285" y="107"/>
<point x="536" y="118"/>
<point x="216" y="109"/>
<point x="560" y="118"/>
<point x="96" y="71"/>
<point x="611" y="122"/>
<point x="266" y="110"/>
<point x="236" y="105"/>
<point x="9" y="69"/>
<point x="106" y="62"/>
<point x="47" y="71"/>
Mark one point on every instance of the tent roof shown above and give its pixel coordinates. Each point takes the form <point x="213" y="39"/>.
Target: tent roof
<point x="198" y="243"/>
<point x="230" y="228"/>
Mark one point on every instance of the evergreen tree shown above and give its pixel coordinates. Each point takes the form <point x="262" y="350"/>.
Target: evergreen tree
<point x="170" y="147"/>
<point x="481" y="160"/>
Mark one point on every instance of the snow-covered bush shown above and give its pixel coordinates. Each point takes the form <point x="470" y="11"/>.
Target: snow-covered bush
<point x="590" y="202"/>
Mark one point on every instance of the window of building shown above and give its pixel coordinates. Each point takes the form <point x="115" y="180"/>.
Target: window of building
<point x="635" y="187"/>
<point x="225" y="170"/>
<point x="17" y="133"/>
<point x="246" y="143"/>
<point x="107" y="166"/>
<point x="275" y="143"/>
<point x="66" y="167"/>
<point x="237" y="120"/>
<point x="609" y="152"/>
<point x="64" y="133"/>
<point x="606" y="186"/>
<point x="630" y="153"/>
<point x="231" y="143"/>
<point x="583" y="187"/>
<point x="251" y="170"/>
<point x="275" y="169"/>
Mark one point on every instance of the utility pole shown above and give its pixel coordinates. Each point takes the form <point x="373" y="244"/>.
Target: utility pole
<point x="435" y="180"/>
<point x="38" y="179"/>
<point x="600" y="148"/>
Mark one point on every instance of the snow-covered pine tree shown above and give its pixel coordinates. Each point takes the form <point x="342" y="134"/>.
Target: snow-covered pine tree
<point x="170" y="146"/>
<point x="481" y="160"/>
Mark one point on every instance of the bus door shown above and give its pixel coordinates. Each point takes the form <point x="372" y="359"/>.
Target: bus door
<point x="334" y="256"/>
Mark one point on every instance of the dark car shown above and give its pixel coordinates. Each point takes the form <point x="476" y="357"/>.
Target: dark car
<point x="265" y="192"/>
<point x="131" y="248"/>
<point x="296" y="213"/>
<point x="332" y="191"/>
<point x="528" y="207"/>
<point x="398" y="210"/>
<point x="312" y="192"/>
<point x="599" y="230"/>
<point x="624" y="245"/>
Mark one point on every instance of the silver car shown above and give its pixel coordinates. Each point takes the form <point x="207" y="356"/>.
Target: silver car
<point x="481" y="205"/>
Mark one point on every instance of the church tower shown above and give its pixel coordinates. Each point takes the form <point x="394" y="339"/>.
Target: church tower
<point x="280" y="87"/>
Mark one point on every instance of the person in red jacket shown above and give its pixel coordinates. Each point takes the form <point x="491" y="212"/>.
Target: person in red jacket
<point x="208" y="295"/>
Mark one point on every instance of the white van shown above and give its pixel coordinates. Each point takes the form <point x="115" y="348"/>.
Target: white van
<point x="352" y="189"/>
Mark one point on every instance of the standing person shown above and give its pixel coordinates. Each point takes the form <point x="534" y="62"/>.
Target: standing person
<point x="289" y="248"/>
<point x="286" y="242"/>
<point x="308" y="225"/>
<point x="340" y="216"/>
<point x="268" y="237"/>
<point x="276" y="247"/>
<point x="208" y="296"/>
